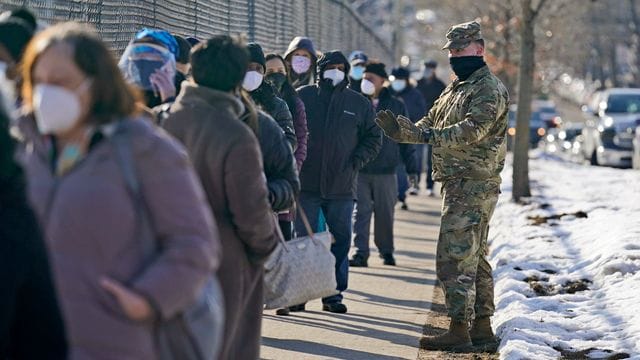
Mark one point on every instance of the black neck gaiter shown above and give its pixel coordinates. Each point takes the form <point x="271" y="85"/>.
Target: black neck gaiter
<point x="464" y="66"/>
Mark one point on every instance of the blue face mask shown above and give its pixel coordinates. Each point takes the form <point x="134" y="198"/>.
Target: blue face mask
<point x="356" y="73"/>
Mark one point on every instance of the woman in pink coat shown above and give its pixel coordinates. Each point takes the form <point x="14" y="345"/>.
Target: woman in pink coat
<point x="111" y="288"/>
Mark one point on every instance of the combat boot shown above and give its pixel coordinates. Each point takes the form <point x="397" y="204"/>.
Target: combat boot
<point x="481" y="333"/>
<point x="456" y="339"/>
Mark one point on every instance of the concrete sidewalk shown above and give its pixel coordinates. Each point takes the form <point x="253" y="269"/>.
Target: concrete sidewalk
<point x="387" y="305"/>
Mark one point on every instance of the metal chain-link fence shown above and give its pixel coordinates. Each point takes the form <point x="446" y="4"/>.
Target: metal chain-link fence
<point x="331" y="24"/>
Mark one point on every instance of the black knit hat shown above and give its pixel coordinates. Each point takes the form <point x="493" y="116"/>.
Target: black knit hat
<point x="14" y="36"/>
<point x="185" y="49"/>
<point x="377" y="68"/>
<point x="256" y="54"/>
<point x="401" y="73"/>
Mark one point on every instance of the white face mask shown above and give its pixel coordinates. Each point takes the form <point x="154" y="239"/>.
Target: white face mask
<point x="367" y="87"/>
<point x="336" y="76"/>
<point x="398" y="85"/>
<point x="300" y="64"/>
<point x="252" y="80"/>
<point x="56" y="108"/>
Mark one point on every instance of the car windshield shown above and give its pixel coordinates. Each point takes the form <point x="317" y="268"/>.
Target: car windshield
<point x="623" y="103"/>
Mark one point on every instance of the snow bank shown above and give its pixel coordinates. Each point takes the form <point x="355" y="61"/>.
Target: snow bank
<point x="569" y="284"/>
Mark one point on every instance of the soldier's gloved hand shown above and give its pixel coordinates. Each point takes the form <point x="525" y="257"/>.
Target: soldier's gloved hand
<point x="386" y="120"/>
<point x="400" y="129"/>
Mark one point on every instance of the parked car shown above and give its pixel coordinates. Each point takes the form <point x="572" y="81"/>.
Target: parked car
<point x="537" y="128"/>
<point x="561" y="140"/>
<point x="636" y="147"/>
<point x="548" y="112"/>
<point x="610" y="127"/>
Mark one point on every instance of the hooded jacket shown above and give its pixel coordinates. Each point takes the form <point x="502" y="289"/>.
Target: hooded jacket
<point x="343" y="137"/>
<point x="391" y="153"/>
<point x="308" y="78"/>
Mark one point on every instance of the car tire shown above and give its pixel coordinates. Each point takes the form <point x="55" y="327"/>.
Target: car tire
<point x="594" y="158"/>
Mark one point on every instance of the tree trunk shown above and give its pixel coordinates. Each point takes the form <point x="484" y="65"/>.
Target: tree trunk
<point x="525" y="93"/>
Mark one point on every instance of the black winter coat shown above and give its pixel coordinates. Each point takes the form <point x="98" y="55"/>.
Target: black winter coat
<point x="278" y="109"/>
<point x="431" y="90"/>
<point x="391" y="153"/>
<point x="343" y="137"/>
<point x="31" y="326"/>
<point x="279" y="164"/>
<point x="414" y="101"/>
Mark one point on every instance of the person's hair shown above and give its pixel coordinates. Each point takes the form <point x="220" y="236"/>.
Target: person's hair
<point x="111" y="97"/>
<point x="289" y="94"/>
<point x="185" y="49"/>
<point x="480" y="42"/>
<point x="220" y="63"/>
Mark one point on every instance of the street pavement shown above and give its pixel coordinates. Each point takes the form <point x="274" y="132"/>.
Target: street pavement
<point x="387" y="305"/>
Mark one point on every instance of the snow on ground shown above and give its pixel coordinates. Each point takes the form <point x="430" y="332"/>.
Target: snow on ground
<point x="541" y="271"/>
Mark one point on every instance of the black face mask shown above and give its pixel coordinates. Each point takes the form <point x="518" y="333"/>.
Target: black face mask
<point x="464" y="66"/>
<point x="277" y="79"/>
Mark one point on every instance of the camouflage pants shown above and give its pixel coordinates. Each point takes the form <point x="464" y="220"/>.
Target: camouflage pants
<point x="461" y="264"/>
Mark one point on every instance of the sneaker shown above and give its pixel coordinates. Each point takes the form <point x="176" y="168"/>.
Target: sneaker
<point x="336" y="307"/>
<point x="358" y="261"/>
<point x="388" y="259"/>
<point x="431" y="193"/>
<point x="404" y="206"/>
<point x="414" y="191"/>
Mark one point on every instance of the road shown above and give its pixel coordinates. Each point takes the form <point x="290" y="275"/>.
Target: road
<point x="387" y="305"/>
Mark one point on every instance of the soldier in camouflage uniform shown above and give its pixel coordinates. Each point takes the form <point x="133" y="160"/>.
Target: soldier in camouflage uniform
<point x="467" y="128"/>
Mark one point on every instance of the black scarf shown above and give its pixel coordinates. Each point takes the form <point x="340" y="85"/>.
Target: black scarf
<point x="464" y="66"/>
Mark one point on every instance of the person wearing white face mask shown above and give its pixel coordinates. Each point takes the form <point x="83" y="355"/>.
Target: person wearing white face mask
<point x="113" y="277"/>
<point x="377" y="182"/>
<point x="277" y="154"/>
<point x="413" y="100"/>
<point x="358" y="61"/>
<point x="301" y="57"/>
<point x="264" y="95"/>
<point x="342" y="140"/>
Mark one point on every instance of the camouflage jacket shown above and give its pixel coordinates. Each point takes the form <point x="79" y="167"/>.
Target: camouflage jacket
<point x="468" y="124"/>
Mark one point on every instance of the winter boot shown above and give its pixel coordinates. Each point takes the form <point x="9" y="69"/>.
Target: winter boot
<point x="455" y="340"/>
<point x="481" y="333"/>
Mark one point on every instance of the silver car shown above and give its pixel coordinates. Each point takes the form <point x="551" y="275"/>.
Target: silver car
<point x="608" y="134"/>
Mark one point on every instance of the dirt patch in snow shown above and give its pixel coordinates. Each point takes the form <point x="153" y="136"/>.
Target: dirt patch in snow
<point x="539" y="220"/>
<point x="591" y="353"/>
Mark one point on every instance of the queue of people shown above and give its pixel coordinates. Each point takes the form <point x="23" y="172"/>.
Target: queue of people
<point x="182" y="163"/>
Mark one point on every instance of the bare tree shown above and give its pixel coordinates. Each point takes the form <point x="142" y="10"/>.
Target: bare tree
<point x="530" y="13"/>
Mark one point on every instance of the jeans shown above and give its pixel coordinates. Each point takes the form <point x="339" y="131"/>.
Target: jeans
<point x="338" y="214"/>
<point x="424" y="153"/>
<point x="403" y="183"/>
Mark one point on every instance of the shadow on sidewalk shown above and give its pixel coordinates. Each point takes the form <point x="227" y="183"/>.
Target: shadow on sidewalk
<point x="393" y="302"/>
<point x="326" y="351"/>
<point x="410" y="279"/>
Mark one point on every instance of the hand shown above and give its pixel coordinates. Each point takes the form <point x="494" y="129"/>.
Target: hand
<point x="136" y="307"/>
<point x="386" y="120"/>
<point x="163" y="83"/>
<point x="400" y="129"/>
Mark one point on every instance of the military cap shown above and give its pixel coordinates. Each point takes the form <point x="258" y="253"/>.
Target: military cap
<point x="461" y="35"/>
